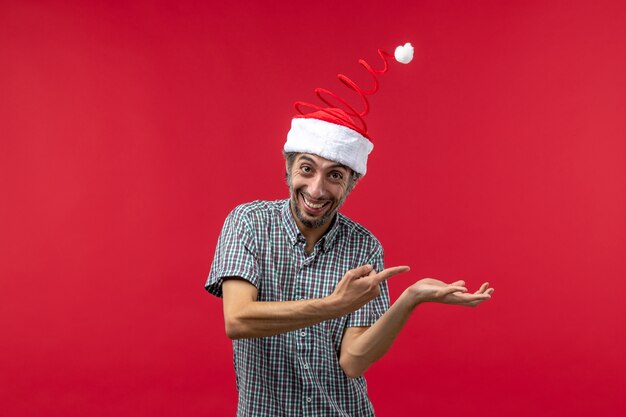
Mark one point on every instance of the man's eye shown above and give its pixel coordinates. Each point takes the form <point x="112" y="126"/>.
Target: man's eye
<point x="305" y="168"/>
<point x="336" y="176"/>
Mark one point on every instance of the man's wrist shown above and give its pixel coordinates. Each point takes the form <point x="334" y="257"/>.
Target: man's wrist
<point x="412" y="298"/>
<point x="332" y="305"/>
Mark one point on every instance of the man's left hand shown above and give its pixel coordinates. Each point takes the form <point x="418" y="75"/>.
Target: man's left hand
<point x="433" y="290"/>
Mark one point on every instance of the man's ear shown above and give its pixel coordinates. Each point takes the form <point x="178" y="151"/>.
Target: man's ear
<point x="287" y="172"/>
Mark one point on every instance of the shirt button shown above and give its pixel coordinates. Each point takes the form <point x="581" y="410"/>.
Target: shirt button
<point x="309" y="399"/>
<point x="306" y="366"/>
<point x="302" y="334"/>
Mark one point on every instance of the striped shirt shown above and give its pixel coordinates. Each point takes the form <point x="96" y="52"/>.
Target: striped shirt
<point x="295" y="373"/>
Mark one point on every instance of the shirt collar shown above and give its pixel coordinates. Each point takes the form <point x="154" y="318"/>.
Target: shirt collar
<point x="290" y="225"/>
<point x="331" y="234"/>
<point x="295" y="235"/>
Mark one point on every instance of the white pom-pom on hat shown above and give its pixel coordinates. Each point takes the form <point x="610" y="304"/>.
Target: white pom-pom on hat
<point x="404" y="53"/>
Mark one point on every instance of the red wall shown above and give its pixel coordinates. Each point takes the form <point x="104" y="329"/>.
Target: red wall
<point x="129" y="131"/>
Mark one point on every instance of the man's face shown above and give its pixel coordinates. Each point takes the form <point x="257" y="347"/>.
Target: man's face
<point x="318" y="187"/>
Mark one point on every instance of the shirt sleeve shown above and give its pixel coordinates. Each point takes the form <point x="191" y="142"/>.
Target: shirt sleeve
<point x="235" y="254"/>
<point x="372" y="311"/>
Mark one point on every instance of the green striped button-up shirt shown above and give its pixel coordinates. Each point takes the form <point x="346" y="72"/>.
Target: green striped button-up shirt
<point x="295" y="373"/>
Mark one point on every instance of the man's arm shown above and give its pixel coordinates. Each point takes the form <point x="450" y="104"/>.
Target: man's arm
<point x="245" y="317"/>
<point x="362" y="346"/>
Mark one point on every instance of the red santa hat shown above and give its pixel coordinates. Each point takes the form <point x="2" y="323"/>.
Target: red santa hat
<point x="337" y="131"/>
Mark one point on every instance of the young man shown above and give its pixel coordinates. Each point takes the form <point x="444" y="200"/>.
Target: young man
<point x="304" y="287"/>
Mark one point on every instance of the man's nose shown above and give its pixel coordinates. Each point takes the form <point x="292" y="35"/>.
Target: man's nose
<point x="316" y="187"/>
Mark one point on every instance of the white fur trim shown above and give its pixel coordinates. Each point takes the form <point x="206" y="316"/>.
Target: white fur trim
<point x="331" y="141"/>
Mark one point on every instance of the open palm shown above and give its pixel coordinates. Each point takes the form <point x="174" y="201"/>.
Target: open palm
<point x="433" y="290"/>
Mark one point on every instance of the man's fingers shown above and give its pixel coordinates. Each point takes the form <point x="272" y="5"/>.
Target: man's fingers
<point x="359" y="272"/>
<point x="458" y="295"/>
<point x="473" y="299"/>
<point x="482" y="288"/>
<point x="453" y="288"/>
<point x="459" y="283"/>
<point x="389" y="272"/>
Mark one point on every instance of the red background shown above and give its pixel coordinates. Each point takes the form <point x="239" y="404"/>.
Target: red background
<point x="128" y="131"/>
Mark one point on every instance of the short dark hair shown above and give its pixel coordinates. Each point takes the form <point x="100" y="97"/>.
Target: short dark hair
<point x="290" y="157"/>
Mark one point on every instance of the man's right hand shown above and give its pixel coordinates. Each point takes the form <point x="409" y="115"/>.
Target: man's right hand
<point x="246" y="317"/>
<point x="360" y="285"/>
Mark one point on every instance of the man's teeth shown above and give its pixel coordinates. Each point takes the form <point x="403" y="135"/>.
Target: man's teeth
<point x="312" y="205"/>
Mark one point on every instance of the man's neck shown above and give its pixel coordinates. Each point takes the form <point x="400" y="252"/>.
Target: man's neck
<point x="312" y="235"/>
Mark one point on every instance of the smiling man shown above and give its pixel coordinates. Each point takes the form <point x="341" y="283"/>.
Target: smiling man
<point x="304" y="287"/>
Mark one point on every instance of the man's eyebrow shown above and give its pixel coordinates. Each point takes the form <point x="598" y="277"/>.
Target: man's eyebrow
<point x="307" y="158"/>
<point x="311" y="160"/>
<point x="338" y="165"/>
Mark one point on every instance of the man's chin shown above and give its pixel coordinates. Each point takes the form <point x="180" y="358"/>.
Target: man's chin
<point x="313" y="222"/>
<point x="310" y="222"/>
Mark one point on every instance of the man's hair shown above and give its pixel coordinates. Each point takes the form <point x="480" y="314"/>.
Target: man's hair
<point x="290" y="157"/>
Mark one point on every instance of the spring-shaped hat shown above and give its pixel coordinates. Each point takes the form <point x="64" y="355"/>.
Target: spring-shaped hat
<point x="336" y="130"/>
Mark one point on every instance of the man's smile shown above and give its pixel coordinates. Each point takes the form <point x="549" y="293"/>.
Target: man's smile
<point x="313" y="206"/>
